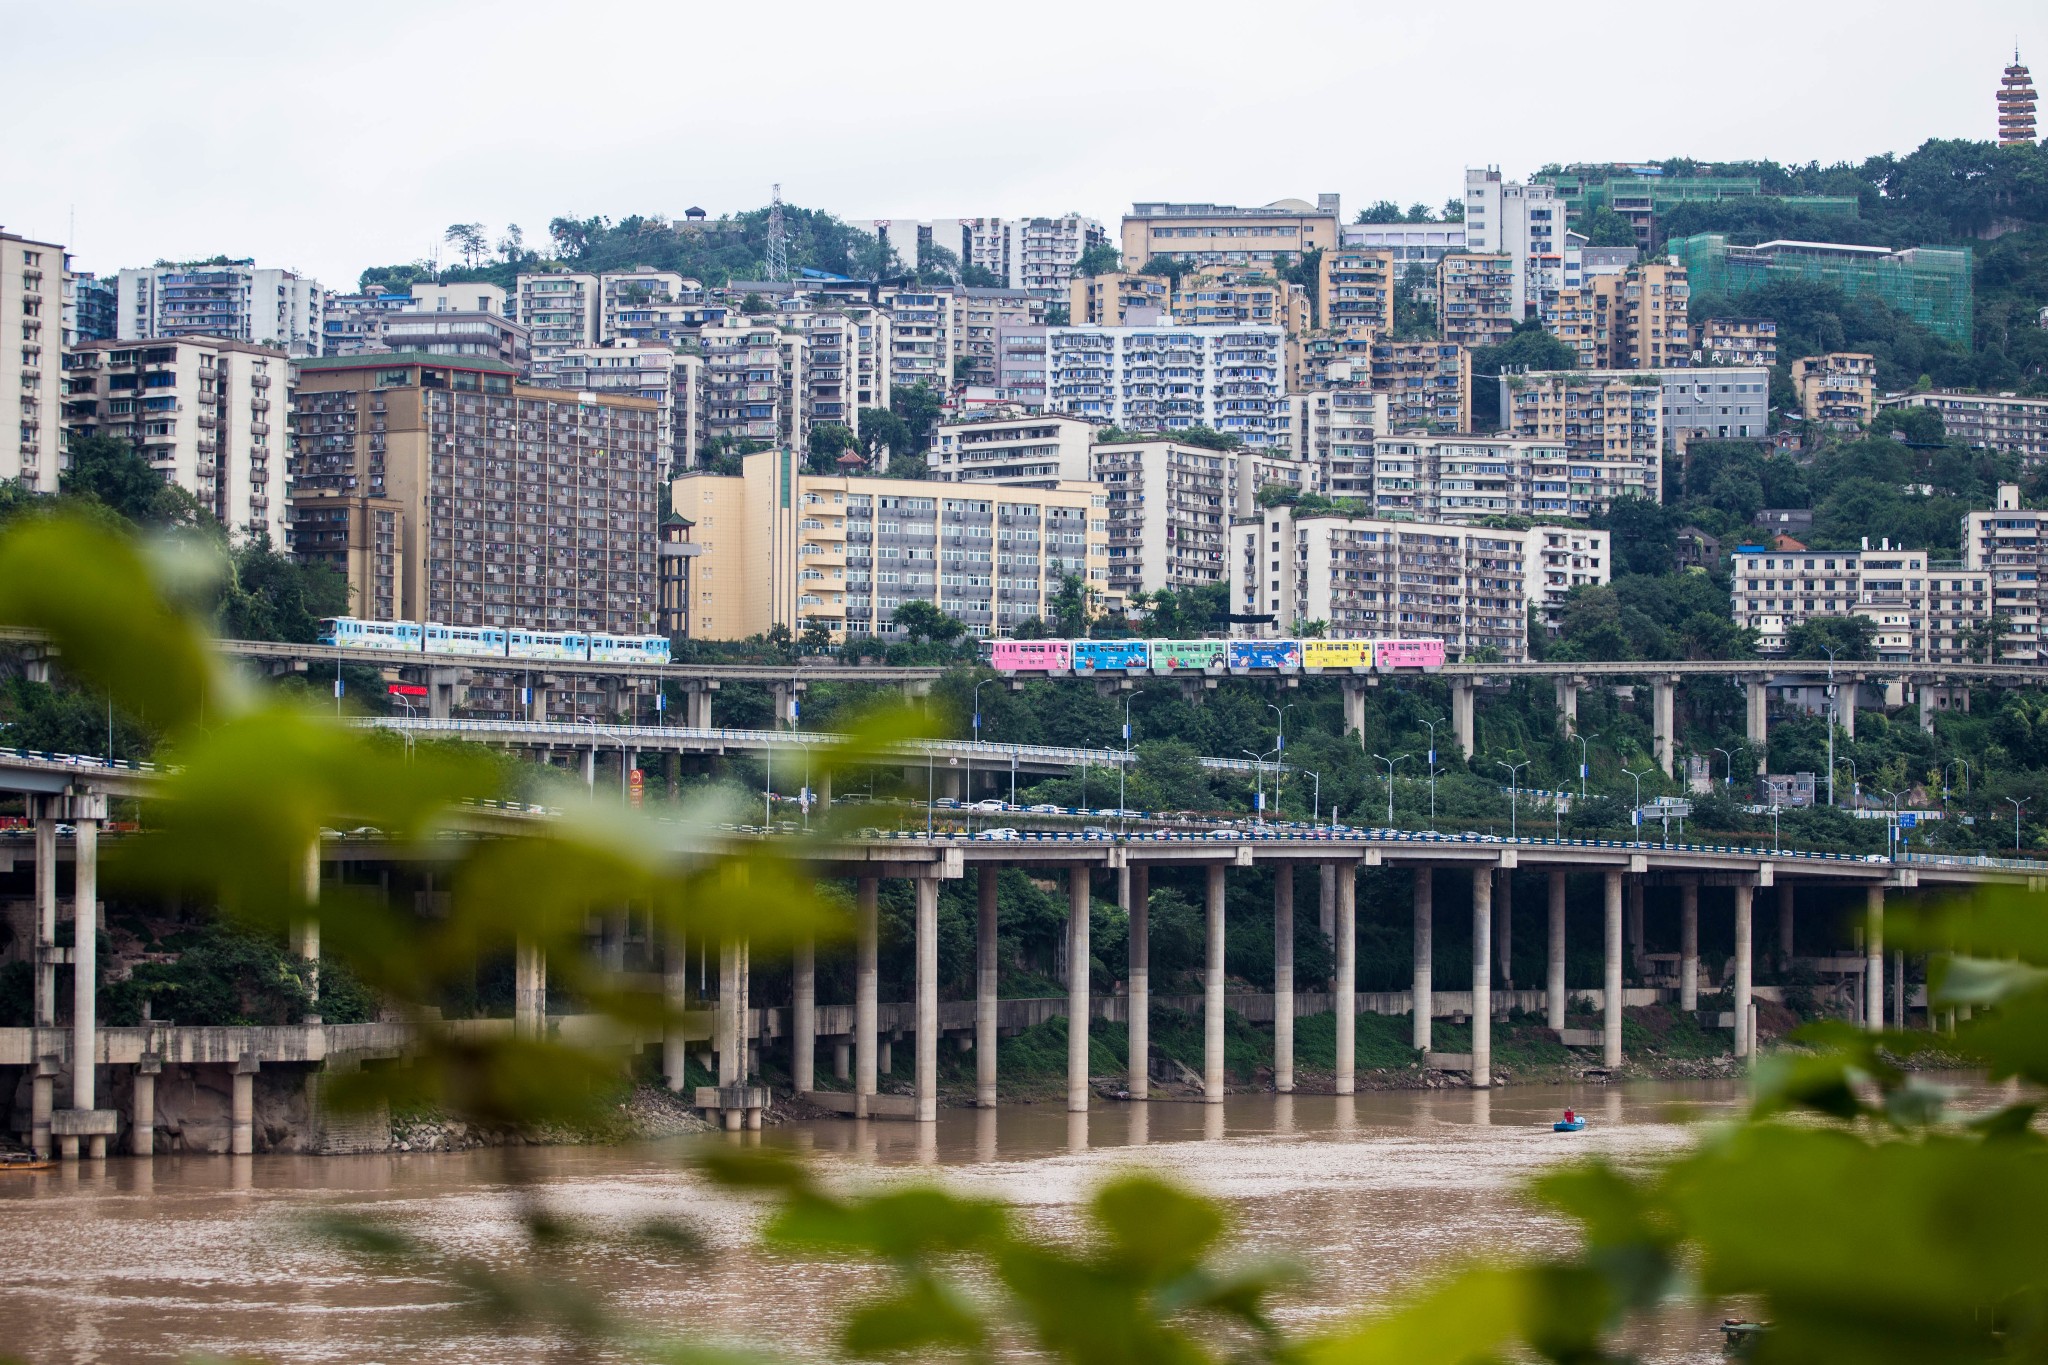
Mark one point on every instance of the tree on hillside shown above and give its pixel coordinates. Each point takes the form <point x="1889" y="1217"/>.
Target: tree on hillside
<point x="469" y="239"/>
<point x="1605" y="227"/>
<point x="1208" y="438"/>
<point x="512" y="246"/>
<point x="921" y="622"/>
<point x="826" y="443"/>
<point x="1851" y="637"/>
<point x="1642" y="534"/>
<point x="1099" y="259"/>
<point x="1380" y="211"/>
<point x="880" y="430"/>
<point x="1414" y="316"/>
<point x="1528" y="347"/>
<point x="112" y="473"/>
<point x="271" y="596"/>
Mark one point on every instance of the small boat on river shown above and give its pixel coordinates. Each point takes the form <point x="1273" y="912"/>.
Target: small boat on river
<point x="1572" y="1122"/>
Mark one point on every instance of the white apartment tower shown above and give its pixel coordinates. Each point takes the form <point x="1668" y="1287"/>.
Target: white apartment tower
<point x="208" y="414"/>
<point x="31" y="357"/>
<point x="1168" y="379"/>
<point x="1525" y="223"/>
<point x="232" y="299"/>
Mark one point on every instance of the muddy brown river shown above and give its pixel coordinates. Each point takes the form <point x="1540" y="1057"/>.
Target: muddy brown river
<point x="184" y="1256"/>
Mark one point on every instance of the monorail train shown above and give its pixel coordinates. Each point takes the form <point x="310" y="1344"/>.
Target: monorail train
<point x="410" y="637"/>
<point x="1212" y="656"/>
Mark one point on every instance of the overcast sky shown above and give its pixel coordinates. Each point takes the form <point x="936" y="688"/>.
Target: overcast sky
<point x="334" y="136"/>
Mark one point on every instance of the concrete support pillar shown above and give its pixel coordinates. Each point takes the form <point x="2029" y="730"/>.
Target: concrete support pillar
<point x="242" y="1109"/>
<point x="1873" y="949"/>
<point x="1898" y="989"/>
<point x="1354" y="707"/>
<point x="1482" y="978"/>
<point x="842" y="1061"/>
<point x="1283" y="978"/>
<point x="865" y="1008"/>
<point x="46" y="914"/>
<point x="1638" y="950"/>
<point x="529" y="989"/>
<point x="1744" y="965"/>
<point x="726" y="1038"/>
<point x="1077" y="990"/>
<point x="1689" y="946"/>
<point x="928" y="999"/>
<point x="1610" y="1022"/>
<point x="85" y="969"/>
<point x="803" y="1017"/>
<point x="142" y="1107"/>
<point x="1923" y="692"/>
<point x="1845" y="708"/>
<point x="1756" y="728"/>
<point x="41" y="1100"/>
<point x="1664" y="697"/>
<point x="1326" y="900"/>
<point x="1140" y="984"/>
<point x="590" y="767"/>
<point x="1784" y="925"/>
<point x="675" y="992"/>
<point x="1568" y="705"/>
<point x="1504" y="928"/>
<point x="985" y="1041"/>
<point x="1553" y="963"/>
<point x="1461" y="717"/>
<point x="1346" y="1001"/>
<point x="1212" y="989"/>
<point x="1425" y="953"/>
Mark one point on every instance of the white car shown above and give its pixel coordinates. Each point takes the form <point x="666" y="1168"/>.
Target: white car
<point x="1005" y="834"/>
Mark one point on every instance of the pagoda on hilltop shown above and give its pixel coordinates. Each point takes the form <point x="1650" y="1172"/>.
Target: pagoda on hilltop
<point x="2016" y="105"/>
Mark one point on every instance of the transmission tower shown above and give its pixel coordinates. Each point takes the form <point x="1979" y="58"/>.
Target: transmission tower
<point x="778" y="241"/>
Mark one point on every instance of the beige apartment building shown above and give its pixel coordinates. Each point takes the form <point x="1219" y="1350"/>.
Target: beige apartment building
<point x="1612" y="423"/>
<point x="1737" y="341"/>
<point x="1170" y="507"/>
<point x="844" y="553"/>
<point x="1240" y="298"/>
<point x="1119" y="299"/>
<point x="210" y="415"/>
<point x="1355" y="289"/>
<point x="1836" y="390"/>
<point x="1923" y="611"/>
<point x="447" y="490"/>
<point x="2004" y="422"/>
<point x="1427" y="384"/>
<point x="559" y="310"/>
<point x="1476" y="298"/>
<point x="1220" y="235"/>
<point x="31" y="360"/>
<point x="1655" y="332"/>
<point x="1366" y="577"/>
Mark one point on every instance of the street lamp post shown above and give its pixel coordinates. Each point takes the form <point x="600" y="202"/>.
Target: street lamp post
<point x="1279" y="749"/>
<point x="1582" y="764"/>
<point x="1832" y="710"/>
<point x="2017" y="805"/>
<point x="977" y="743"/>
<point x="1891" y="828"/>
<point x="1124" y="764"/>
<point x="1636" y="815"/>
<point x="1258" y="781"/>
<point x="1434" y="772"/>
<point x="1316" y="814"/>
<point x="1728" y="770"/>
<point x="1964" y="763"/>
<point x="1514" y="804"/>
<point x="1855" y="783"/>
<point x="1390" y="762"/>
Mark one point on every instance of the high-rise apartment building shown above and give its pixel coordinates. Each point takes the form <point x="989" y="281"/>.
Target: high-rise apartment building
<point x="781" y="547"/>
<point x="1655" y="330"/>
<point x="1036" y="255"/>
<point x="1631" y="415"/>
<point x="1232" y="297"/>
<point x="1118" y="299"/>
<point x="1335" y="428"/>
<point x="2006" y="544"/>
<point x="2003" y="422"/>
<point x="924" y="337"/>
<point x="491" y="336"/>
<point x="1219" y="235"/>
<point x="980" y="316"/>
<point x="1040" y="451"/>
<point x="1836" y="391"/>
<point x="666" y="378"/>
<point x="1930" y="285"/>
<point x="210" y="415"/>
<point x="1170" y="507"/>
<point x="31" y="360"/>
<point x="1369" y="577"/>
<point x="1355" y="288"/>
<point x="1169" y="379"/>
<point x="753" y="382"/>
<point x="233" y="299"/>
<point x="1475" y="298"/>
<point x="1525" y="223"/>
<point x="95" y="302"/>
<point x="560" y="311"/>
<point x="449" y="491"/>
<point x="1922" y="611"/>
<point x="1414" y="247"/>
